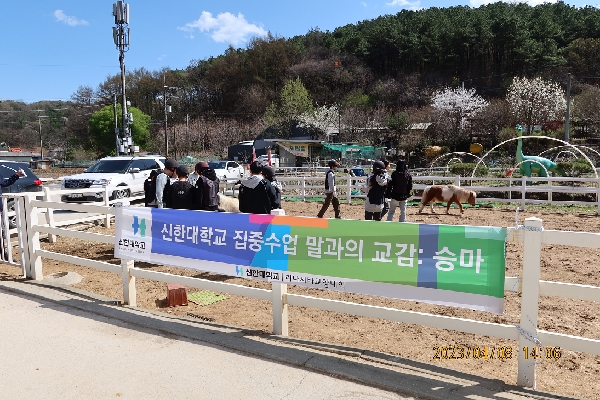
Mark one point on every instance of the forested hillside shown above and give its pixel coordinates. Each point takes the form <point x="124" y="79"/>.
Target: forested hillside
<point x="374" y="75"/>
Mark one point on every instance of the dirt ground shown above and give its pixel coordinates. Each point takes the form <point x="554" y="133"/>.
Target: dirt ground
<point x="573" y="374"/>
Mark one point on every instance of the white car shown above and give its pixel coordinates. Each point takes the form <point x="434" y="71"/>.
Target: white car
<point x="227" y="170"/>
<point x="124" y="176"/>
<point x="274" y="160"/>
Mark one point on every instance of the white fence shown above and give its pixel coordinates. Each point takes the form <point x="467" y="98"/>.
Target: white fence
<point x="531" y="235"/>
<point x="350" y="187"/>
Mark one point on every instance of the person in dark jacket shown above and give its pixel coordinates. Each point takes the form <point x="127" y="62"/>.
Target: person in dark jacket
<point x="181" y="192"/>
<point x="399" y="189"/>
<point x="330" y="191"/>
<point x="206" y="188"/>
<point x="257" y="195"/>
<point x="376" y="187"/>
<point x="269" y="174"/>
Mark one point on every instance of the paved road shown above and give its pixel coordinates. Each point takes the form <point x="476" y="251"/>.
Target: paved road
<point x="62" y="343"/>
<point x="53" y="351"/>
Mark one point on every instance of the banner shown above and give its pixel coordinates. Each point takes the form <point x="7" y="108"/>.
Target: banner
<point x="297" y="149"/>
<point x="460" y="266"/>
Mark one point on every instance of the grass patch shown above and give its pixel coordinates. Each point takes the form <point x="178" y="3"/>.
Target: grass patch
<point x="205" y="297"/>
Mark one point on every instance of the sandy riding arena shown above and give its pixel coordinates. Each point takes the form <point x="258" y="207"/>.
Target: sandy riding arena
<point x="572" y="374"/>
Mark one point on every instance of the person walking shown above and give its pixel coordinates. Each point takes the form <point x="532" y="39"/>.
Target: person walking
<point x="257" y="195"/>
<point x="206" y="187"/>
<point x="399" y="190"/>
<point x="330" y="191"/>
<point x="269" y="174"/>
<point x="181" y="192"/>
<point x="376" y="186"/>
<point x="386" y="201"/>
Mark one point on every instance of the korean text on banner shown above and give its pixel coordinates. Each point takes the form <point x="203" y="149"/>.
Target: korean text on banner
<point x="460" y="266"/>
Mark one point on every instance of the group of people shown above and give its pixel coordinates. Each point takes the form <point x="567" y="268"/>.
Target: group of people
<point x="385" y="192"/>
<point x="260" y="193"/>
<point x="175" y="187"/>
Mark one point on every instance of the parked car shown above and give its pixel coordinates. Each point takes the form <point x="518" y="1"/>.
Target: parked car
<point x="124" y="176"/>
<point x="357" y="170"/>
<point x="28" y="183"/>
<point x="274" y="160"/>
<point x="227" y="170"/>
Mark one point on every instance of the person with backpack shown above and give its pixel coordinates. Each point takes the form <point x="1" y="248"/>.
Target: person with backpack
<point x="206" y="188"/>
<point x="269" y="174"/>
<point x="257" y="195"/>
<point x="150" y="189"/>
<point x="399" y="190"/>
<point x="181" y="193"/>
<point x="376" y="186"/>
<point x="160" y="188"/>
<point x="330" y="191"/>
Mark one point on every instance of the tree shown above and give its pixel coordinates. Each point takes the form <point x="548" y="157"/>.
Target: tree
<point x="455" y="108"/>
<point x="295" y="101"/>
<point x="320" y="119"/>
<point x="586" y="110"/>
<point x="102" y="129"/>
<point x="535" y="101"/>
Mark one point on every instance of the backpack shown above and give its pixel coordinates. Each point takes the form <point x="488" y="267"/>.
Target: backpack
<point x="181" y="195"/>
<point x="150" y="187"/>
<point x="210" y="191"/>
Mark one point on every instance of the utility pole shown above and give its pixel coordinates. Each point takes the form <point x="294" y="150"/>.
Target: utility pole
<point x="121" y="39"/>
<point x="114" y="96"/>
<point x="336" y="65"/>
<point x="187" y="133"/>
<point x="167" y="109"/>
<point x="568" y="116"/>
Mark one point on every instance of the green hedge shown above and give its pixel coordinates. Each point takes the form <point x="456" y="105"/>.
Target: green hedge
<point x="466" y="169"/>
<point x="576" y="167"/>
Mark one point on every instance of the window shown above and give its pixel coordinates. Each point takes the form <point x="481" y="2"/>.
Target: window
<point x="138" y="164"/>
<point x="108" y="166"/>
<point x="217" y="164"/>
<point x="151" y="164"/>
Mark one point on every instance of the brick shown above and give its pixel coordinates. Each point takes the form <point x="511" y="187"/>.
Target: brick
<point x="176" y="295"/>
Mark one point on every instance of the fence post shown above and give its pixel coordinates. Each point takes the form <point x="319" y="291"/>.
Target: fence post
<point x="22" y="234"/>
<point x="6" y="246"/>
<point x="34" y="269"/>
<point x="523" y="191"/>
<point x="106" y="203"/>
<point x="129" y="291"/>
<point x="550" y="189"/>
<point x="49" y="215"/>
<point x="598" y="196"/>
<point x="457" y="180"/>
<point x="532" y="244"/>
<point x="303" y="188"/>
<point x="279" y="301"/>
<point x="280" y="308"/>
<point x="349" y="189"/>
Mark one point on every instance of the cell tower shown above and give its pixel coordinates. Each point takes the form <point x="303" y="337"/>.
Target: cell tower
<point x="124" y="141"/>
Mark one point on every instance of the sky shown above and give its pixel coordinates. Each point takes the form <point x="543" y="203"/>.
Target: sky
<point x="52" y="47"/>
